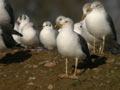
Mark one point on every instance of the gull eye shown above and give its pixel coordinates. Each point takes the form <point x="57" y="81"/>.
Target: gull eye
<point x="80" y="26"/>
<point x="66" y="21"/>
<point x="60" y="19"/>
<point x="97" y="5"/>
<point x="24" y="17"/>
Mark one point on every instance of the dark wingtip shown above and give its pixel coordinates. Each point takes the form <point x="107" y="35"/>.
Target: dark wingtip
<point x="17" y="33"/>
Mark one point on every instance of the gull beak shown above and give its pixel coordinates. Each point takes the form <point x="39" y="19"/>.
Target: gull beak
<point x="83" y="16"/>
<point x="89" y="9"/>
<point x="17" y="22"/>
<point x="58" y="25"/>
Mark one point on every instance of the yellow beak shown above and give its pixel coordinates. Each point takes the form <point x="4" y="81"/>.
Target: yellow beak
<point x="58" y="25"/>
<point x="83" y="16"/>
<point x="89" y="9"/>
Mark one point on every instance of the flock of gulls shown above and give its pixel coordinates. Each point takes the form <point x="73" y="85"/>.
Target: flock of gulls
<point x="94" y="33"/>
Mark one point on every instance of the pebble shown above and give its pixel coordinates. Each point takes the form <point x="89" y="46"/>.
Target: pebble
<point x="35" y="66"/>
<point x="17" y="76"/>
<point x="32" y="78"/>
<point x="50" y="86"/>
<point x="31" y="83"/>
<point x="28" y="66"/>
<point x="50" y="64"/>
<point x="96" y="69"/>
<point x="26" y="72"/>
<point x="43" y="62"/>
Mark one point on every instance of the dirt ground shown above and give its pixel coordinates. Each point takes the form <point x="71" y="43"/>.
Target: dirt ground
<point x="25" y="70"/>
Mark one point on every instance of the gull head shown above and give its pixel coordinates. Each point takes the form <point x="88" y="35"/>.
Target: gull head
<point x="23" y="19"/>
<point x="97" y="5"/>
<point x="59" y="19"/>
<point x="65" y="22"/>
<point x="47" y="24"/>
<point x="85" y="8"/>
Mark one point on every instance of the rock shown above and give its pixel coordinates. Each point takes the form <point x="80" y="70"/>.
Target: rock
<point x="5" y="75"/>
<point x="43" y="62"/>
<point x="32" y="78"/>
<point x="35" y="66"/>
<point x="28" y="66"/>
<point x="27" y="72"/>
<point x="17" y="76"/>
<point x="50" y="64"/>
<point x="50" y="86"/>
<point x="31" y="83"/>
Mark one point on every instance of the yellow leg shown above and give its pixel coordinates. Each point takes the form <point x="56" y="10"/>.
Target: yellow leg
<point x="74" y="76"/>
<point x="66" y="70"/>
<point x="94" y="45"/>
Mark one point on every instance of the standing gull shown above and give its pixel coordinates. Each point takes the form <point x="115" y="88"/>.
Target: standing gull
<point x="26" y="27"/>
<point x="6" y="13"/>
<point x="48" y="35"/>
<point x="71" y="44"/>
<point x="100" y="24"/>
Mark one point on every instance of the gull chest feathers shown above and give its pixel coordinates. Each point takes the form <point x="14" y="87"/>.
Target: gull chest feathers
<point x="95" y="20"/>
<point x="67" y="43"/>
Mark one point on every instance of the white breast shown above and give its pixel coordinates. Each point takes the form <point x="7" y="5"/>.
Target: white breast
<point x="97" y="24"/>
<point x="48" y="38"/>
<point x="68" y="44"/>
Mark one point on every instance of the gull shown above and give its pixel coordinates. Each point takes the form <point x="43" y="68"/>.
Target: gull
<point x="100" y="24"/>
<point x="71" y="44"/>
<point x="6" y="39"/>
<point x="6" y="13"/>
<point x="58" y="21"/>
<point x="26" y="28"/>
<point x="48" y="35"/>
<point x="81" y="29"/>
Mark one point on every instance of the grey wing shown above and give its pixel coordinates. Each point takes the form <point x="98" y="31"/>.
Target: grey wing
<point x="110" y="21"/>
<point x="10" y="12"/>
<point x="84" y="46"/>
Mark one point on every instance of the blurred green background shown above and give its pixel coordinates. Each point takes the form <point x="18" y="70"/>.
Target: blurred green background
<point x="43" y="10"/>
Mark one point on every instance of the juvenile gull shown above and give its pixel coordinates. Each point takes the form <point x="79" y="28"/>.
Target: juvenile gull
<point x="48" y="35"/>
<point x="26" y="27"/>
<point x="71" y="44"/>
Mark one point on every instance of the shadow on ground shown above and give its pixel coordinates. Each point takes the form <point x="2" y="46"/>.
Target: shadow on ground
<point x="18" y="57"/>
<point x="96" y="62"/>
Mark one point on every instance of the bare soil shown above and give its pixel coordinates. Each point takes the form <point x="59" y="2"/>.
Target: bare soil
<point x="25" y="70"/>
